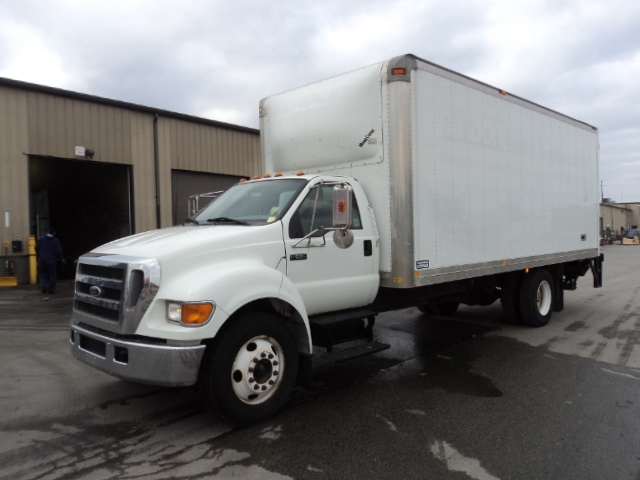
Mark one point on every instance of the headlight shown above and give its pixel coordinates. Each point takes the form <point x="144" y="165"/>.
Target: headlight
<point x="192" y="314"/>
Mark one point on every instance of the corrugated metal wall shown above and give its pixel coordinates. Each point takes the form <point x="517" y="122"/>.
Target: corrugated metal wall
<point x="14" y="184"/>
<point x="48" y="124"/>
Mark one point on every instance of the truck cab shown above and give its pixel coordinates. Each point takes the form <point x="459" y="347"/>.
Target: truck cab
<point x="159" y="307"/>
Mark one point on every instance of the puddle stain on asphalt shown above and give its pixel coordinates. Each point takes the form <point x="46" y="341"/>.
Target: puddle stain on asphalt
<point x="456" y="462"/>
<point x="186" y="450"/>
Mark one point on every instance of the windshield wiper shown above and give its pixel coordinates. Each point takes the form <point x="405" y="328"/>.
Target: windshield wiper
<point x="191" y="220"/>
<point x="226" y="220"/>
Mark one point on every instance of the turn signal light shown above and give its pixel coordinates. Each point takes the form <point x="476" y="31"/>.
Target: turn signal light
<point x="189" y="314"/>
<point x="196" y="313"/>
<point x="342" y="206"/>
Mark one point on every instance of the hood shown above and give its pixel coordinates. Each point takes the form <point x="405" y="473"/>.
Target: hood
<point x="184" y="242"/>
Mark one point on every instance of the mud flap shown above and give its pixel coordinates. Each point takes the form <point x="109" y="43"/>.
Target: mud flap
<point x="558" y="294"/>
<point x="596" y="270"/>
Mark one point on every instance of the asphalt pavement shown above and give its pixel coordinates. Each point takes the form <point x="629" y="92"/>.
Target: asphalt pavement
<point x="460" y="398"/>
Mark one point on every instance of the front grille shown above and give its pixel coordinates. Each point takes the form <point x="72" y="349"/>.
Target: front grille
<point x="113" y="292"/>
<point x="100" y="289"/>
<point x="106" y="292"/>
<point x="98" y="311"/>
<point x="102" y="271"/>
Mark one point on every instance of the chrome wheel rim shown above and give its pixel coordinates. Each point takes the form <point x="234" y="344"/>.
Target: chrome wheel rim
<point x="257" y="370"/>
<point x="544" y="298"/>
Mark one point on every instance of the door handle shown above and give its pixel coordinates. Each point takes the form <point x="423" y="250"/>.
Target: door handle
<point x="368" y="248"/>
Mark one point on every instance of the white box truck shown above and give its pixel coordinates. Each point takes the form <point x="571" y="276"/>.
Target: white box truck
<point x="399" y="184"/>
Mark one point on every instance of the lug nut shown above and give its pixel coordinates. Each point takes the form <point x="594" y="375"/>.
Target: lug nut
<point x="270" y="356"/>
<point x="263" y="354"/>
<point x="251" y="380"/>
<point x="271" y="382"/>
<point x="275" y="363"/>
<point x="264" y="387"/>
<point x="275" y="372"/>
<point x="257" y="387"/>
<point x="251" y="370"/>
<point x="255" y="360"/>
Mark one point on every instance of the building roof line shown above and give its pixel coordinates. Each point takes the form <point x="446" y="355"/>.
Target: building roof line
<point x="34" y="87"/>
<point x="615" y="205"/>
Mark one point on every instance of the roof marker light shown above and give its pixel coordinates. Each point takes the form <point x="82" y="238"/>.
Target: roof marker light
<point x="300" y="173"/>
<point x="266" y="175"/>
<point x="256" y="177"/>
<point x="277" y="174"/>
<point x="502" y="92"/>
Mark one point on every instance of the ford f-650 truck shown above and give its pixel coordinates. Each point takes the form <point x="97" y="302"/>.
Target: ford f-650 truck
<point x="395" y="185"/>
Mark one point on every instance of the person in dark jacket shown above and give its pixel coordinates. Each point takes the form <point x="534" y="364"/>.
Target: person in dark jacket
<point x="49" y="251"/>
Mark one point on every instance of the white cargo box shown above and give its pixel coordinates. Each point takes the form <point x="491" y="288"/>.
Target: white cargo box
<point x="464" y="178"/>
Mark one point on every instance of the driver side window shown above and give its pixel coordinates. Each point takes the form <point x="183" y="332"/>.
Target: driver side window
<point x="301" y="221"/>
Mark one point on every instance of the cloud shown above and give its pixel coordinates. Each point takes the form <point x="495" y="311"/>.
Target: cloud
<point x="216" y="58"/>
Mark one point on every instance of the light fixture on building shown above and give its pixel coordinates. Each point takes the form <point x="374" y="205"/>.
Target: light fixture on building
<point x="88" y="153"/>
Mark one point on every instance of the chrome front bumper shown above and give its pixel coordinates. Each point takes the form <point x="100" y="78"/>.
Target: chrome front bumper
<point x="137" y="361"/>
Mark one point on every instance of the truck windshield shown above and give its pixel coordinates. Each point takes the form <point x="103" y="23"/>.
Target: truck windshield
<point x="252" y="203"/>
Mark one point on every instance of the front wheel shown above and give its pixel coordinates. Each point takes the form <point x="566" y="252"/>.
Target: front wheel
<point x="247" y="375"/>
<point x="536" y="298"/>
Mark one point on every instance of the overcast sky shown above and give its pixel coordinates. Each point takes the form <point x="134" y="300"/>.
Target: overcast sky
<point x="217" y="59"/>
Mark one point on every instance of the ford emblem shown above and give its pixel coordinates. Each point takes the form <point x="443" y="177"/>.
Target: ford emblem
<point x="95" y="291"/>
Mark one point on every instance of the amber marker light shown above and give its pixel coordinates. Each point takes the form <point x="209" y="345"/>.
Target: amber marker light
<point x="257" y="177"/>
<point x="242" y="180"/>
<point x="342" y="206"/>
<point x="502" y="92"/>
<point x="526" y="270"/>
<point x="190" y="314"/>
<point x="300" y="173"/>
<point x="196" y="313"/>
<point x="399" y="71"/>
<point x="266" y="175"/>
<point x="277" y="174"/>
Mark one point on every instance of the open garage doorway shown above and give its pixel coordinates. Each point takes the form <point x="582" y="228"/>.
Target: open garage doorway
<point x="88" y="203"/>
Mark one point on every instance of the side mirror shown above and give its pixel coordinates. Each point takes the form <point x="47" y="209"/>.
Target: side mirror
<point x="342" y="206"/>
<point x="342" y="215"/>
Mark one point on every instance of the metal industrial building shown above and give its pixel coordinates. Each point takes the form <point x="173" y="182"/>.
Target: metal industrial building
<point x="98" y="169"/>
<point x="617" y="217"/>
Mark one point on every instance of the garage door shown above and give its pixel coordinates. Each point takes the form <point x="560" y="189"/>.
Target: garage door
<point x="186" y="183"/>
<point x="88" y="203"/>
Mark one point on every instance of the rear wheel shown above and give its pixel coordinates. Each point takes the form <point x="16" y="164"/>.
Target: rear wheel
<point x="536" y="298"/>
<point x="248" y="374"/>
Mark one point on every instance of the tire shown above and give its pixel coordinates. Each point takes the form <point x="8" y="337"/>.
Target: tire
<point x="510" y="297"/>
<point x="248" y="374"/>
<point x="536" y="298"/>
<point x="444" y="309"/>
